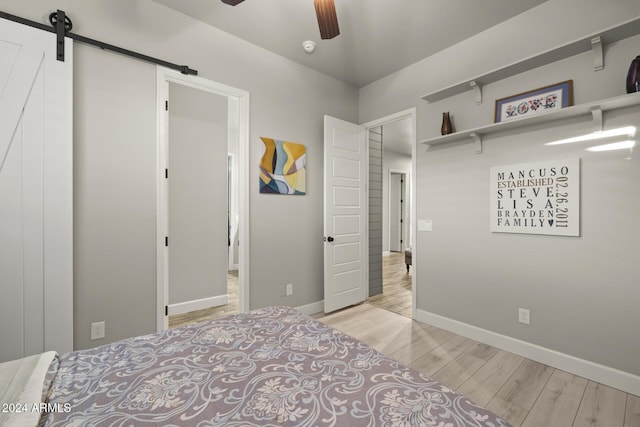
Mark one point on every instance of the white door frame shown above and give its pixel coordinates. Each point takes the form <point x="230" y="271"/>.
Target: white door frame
<point x="233" y="211"/>
<point x="410" y="114"/>
<point x="238" y="117"/>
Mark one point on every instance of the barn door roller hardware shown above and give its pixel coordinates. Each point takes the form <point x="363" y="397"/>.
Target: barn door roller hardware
<point x="61" y="25"/>
<point x="61" y="30"/>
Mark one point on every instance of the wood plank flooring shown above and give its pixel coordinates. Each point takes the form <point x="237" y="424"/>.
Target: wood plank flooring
<point x="524" y="392"/>
<point x="396" y="285"/>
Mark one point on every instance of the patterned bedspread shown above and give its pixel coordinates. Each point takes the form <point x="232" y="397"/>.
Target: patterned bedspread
<point x="269" y="367"/>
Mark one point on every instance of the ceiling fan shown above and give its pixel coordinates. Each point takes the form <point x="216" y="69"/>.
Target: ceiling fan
<point x="326" y="13"/>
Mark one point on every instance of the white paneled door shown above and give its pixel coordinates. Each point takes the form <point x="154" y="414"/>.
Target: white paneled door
<point x="346" y="251"/>
<point x="36" y="193"/>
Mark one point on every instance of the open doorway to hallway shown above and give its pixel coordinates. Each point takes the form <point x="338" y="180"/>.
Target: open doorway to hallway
<point x="391" y="145"/>
<point x="198" y="200"/>
<point x="232" y="305"/>
<point x="203" y="245"/>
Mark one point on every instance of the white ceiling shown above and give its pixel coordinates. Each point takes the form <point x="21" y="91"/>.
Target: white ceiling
<point x="377" y="37"/>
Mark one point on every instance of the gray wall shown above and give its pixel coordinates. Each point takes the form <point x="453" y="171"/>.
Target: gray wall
<point x="114" y="196"/>
<point x="582" y="291"/>
<point x="115" y="157"/>
<point x="198" y="248"/>
<point x="375" y="210"/>
<point x="506" y="43"/>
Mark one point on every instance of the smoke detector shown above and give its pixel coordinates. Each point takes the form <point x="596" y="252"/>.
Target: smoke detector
<point x="309" y="46"/>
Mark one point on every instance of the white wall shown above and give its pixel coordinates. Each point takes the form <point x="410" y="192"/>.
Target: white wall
<point x="115" y="157"/>
<point x="582" y="291"/>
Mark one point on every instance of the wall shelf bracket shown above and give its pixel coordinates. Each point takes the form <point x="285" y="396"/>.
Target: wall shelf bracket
<point x="477" y="139"/>
<point x="596" y="114"/>
<point x="598" y="55"/>
<point x="477" y="89"/>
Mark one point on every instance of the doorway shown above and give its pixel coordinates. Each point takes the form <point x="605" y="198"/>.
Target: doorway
<point x="391" y="284"/>
<point x="194" y="176"/>
<point x="397" y="217"/>
<point x="198" y="204"/>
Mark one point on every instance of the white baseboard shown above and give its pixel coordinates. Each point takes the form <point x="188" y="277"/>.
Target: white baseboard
<point x="386" y="253"/>
<point x="313" y="308"/>
<point x="615" y="378"/>
<point x="198" y="304"/>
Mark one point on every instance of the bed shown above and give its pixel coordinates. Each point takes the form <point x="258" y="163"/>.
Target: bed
<point x="269" y="367"/>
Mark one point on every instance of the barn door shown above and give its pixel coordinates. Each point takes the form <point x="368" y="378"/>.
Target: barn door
<point x="35" y="193"/>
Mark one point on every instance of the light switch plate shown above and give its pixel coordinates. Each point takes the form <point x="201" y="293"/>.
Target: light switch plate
<point x="425" y="225"/>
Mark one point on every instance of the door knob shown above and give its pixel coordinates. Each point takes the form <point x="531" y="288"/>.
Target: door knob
<point x="330" y="239"/>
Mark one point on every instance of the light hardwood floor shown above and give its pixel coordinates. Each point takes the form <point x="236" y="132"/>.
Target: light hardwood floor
<point x="396" y="285"/>
<point x="524" y="392"/>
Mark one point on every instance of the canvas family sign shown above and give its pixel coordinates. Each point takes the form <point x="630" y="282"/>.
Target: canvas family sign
<point x="536" y="198"/>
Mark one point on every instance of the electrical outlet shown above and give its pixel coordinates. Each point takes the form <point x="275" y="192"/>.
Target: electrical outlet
<point x="289" y="289"/>
<point x="524" y="316"/>
<point x="97" y="330"/>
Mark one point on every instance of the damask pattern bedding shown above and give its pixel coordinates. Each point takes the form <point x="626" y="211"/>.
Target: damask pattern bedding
<point x="269" y="367"/>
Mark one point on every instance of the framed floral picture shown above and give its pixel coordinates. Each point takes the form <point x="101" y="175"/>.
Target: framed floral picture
<point x="542" y="100"/>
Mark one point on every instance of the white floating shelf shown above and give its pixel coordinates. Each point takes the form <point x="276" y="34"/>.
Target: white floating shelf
<point x="593" y="43"/>
<point x="594" y="108"/>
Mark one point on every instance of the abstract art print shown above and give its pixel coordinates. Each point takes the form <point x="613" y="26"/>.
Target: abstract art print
<point x="282" y="167"/>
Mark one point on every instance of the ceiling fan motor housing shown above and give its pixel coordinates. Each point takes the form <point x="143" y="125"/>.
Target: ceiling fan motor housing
<point x="327" y="18"/>
<point x="325" y="12"/>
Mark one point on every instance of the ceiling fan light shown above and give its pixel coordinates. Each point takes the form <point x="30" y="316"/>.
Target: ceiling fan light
<point x="327" y="18"/>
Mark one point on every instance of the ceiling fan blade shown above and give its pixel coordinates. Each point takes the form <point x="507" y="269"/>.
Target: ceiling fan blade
<point x="232" y="2"/>
<point x="327" y="18"/>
